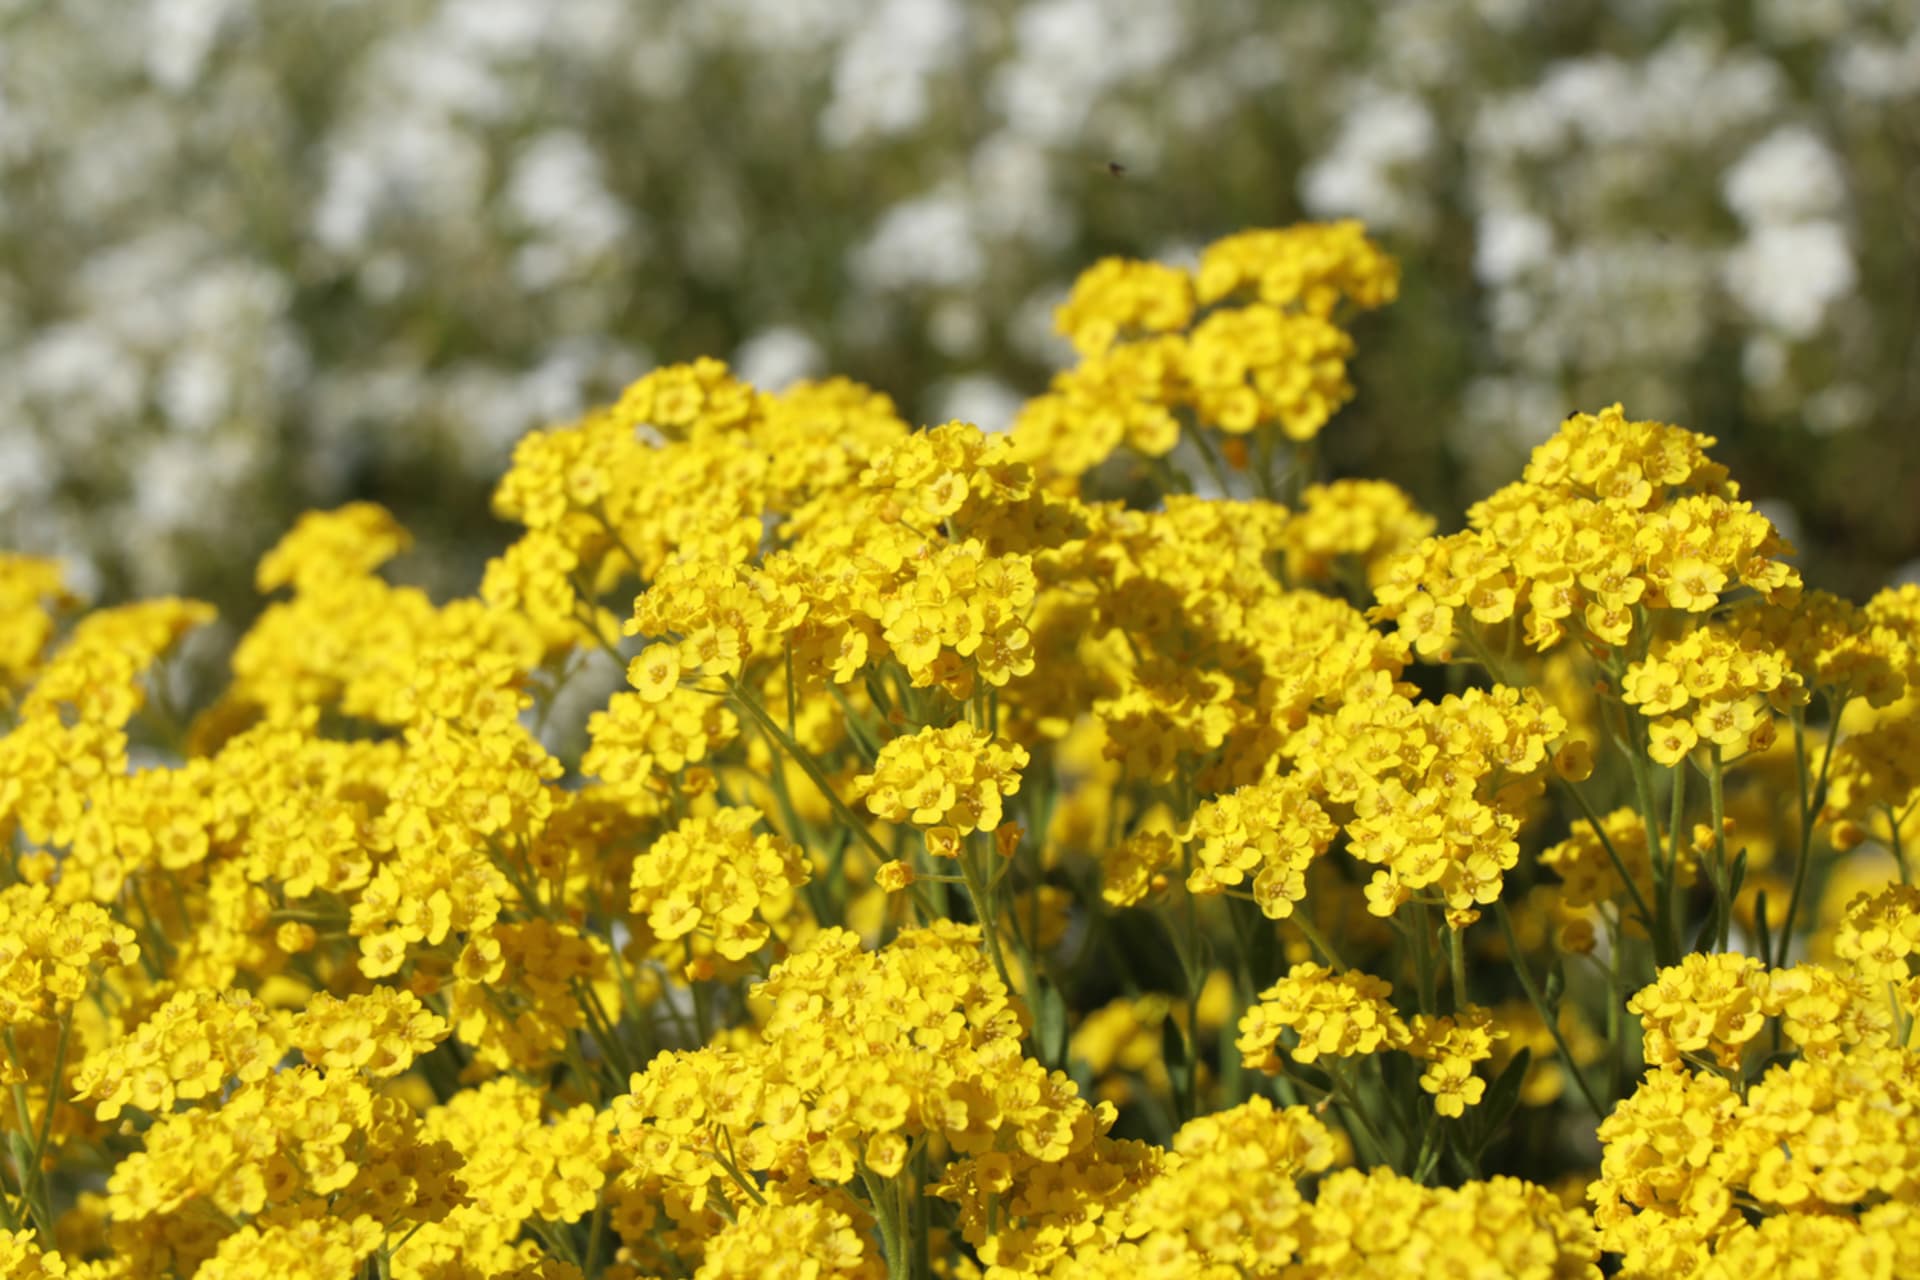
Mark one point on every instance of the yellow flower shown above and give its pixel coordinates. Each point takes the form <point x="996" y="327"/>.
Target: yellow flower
<point x="955" y="777"/>
<point x="1706" y="1004"/>
<point x="1326" y="1014"/>
<point x="1451" y="1046"/>
<point x="718" y="875"/>
<point x="1669" y="740"/>
<point x="381" y="1032"/>
<point x="656" y="672"/>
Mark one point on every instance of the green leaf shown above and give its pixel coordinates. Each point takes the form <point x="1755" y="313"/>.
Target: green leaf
<point x="1175" y="1051"/>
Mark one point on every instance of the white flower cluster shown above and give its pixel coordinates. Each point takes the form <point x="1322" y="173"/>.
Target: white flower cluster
<point x="261" y="255"/>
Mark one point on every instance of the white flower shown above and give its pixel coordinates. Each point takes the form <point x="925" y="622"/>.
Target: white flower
<point x="1789" y="175"/>
<point x="180" y="35"/>
<point x="1787" y="274"/>
<point x="979" y="398"/>
<point x="1069" y="53"/>
<point x="776" y="358"/>
<point x="1509" y="243"/>
<point x="880" y="79"/>
<point x="928" y="240"/>
<point x="1371" y="170"/>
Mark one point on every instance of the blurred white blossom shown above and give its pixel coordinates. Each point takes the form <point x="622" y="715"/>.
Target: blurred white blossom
<point x="1372" y="170"/>
<point x="1786" y="274"/>
<point x="778" y="357"/>
<point x="259" y="256"/>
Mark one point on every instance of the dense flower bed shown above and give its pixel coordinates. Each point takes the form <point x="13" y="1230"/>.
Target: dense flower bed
<point x="971" y="877"/>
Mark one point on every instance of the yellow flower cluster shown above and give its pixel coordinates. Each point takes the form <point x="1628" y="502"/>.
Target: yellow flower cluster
<point x="1007" y="859"/>
<point x="1704" y="1156"/>
<point x="518" y="990"/>
<point x="1321" y="1014"/>
<point x="1612" y="519"/>
<point x="1450" y="1046"/>
<point x="68" y="732"/>
<point x="1586" y="860"/>
<point x="1436" y="790"/>
<point x="1723" y="682"/>
<point x="1227" y="1196"/>
<point x="380" y="1032"/>
<point x="1379" y="1224"/>
<point x="1247" y="341"/>
<point x="1270" y="831"/>
<point x="1880" y="934"/>
<point x="716" y="874"/>
<point x="954" y="779"/>
<point x="863" y="1055"/>
<point x="1118" y="296"/>
<point x="638" y="743"/>
<point x="31" y="591"/>
<point x="816" y="1236"/>
<point x="51" y="952"/>
<point x="188" y="1048"/>
<point x="1706" y="1005"/>
<point x="1352" y="528"/>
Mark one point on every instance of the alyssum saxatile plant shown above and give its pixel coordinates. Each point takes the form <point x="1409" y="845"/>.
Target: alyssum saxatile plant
<point x="975" y="877"/>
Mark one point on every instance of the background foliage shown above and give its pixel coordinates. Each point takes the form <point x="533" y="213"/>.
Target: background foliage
<point x="256" y="258"/>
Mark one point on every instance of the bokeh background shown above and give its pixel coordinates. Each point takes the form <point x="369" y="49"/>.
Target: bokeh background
<point x="259" y="256"/>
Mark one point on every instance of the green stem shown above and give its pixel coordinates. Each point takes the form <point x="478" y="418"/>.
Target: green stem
<point x="792" y="695"/>
<point x="1301" y="474"/>
<point x="1350" y="1105"/>
<point x="557" y="1242"/>
<point x="681" y="1026"/>
<point x="590" y="620"/>
<point x="1722" y="882"/>
<point x="982" y="899"/>
<point x="596" y="1231"/>
<point x="1422" y="956"/>
<point x="32" y="1192"/>
<point x="1320" y="944"/>
<point x="1616" y="1039"/>
<point x="820" y="895"/>
<point x="702" y="1011"/>
<point x="1457" y="965"/>
<point x="1205" y="449"/>
<point x="1192" y="968"/>
<point x="809" y="766"/>
<point x="919" y="1222"/>
<point x="604" y="1030"/>
<point x="53" y="1084"/>
<point x="885" y="1213"/>
<point x="1234" y="1078"/>
<point x="1893" y="843"/>
<point x="1676" y="815"/>
<point x="1547" y="1015"/>
<point x="1613" y="854"/>
<point x="1810" y="803"/>
<point x="1665" y="944"/>
<point x="1263" y="465"/>
<point x="732" y="1169"/>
